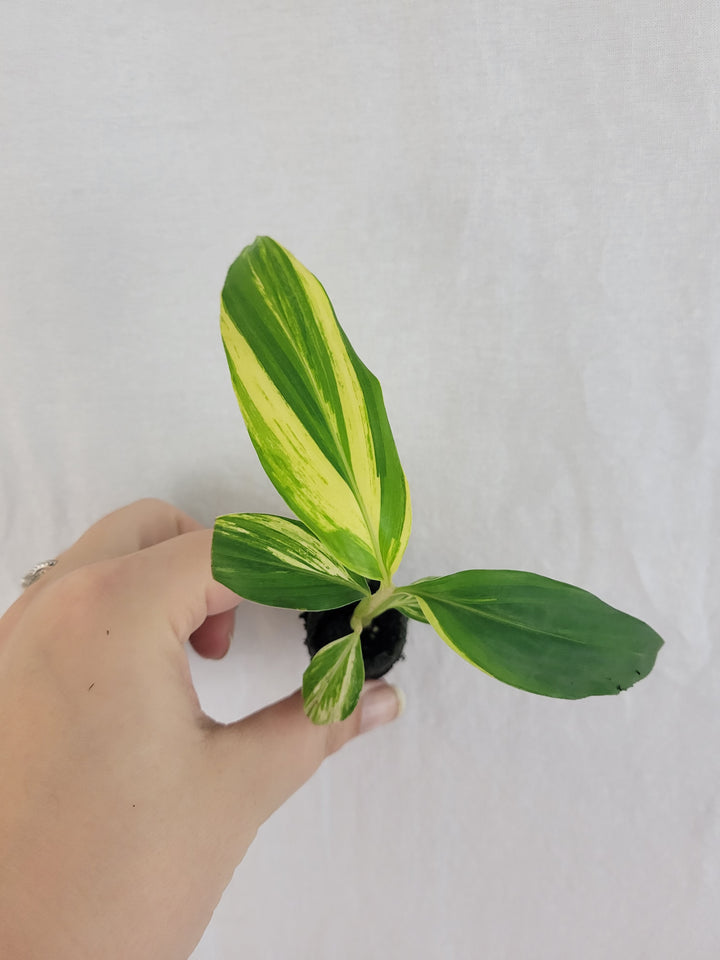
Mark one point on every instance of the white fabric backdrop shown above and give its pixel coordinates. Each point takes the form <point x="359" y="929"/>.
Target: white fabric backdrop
<point x="515" y="208"/>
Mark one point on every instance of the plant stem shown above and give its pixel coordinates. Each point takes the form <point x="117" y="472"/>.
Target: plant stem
<point x="372" y="606"/>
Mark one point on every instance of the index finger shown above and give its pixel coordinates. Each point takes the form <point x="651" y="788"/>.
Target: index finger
<point x="167" y="588"/>
<point x="134" y="527"/>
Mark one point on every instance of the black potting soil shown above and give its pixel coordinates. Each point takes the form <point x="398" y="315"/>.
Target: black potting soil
<point x="382" y="640"/>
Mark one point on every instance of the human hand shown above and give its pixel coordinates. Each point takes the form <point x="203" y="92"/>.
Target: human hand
<point x="124" y="809"/>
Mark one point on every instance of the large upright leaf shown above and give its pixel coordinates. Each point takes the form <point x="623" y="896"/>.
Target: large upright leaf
<point x="314" y="412"/>
<point x="278" y="561"/>
<point x="538" y="634"/>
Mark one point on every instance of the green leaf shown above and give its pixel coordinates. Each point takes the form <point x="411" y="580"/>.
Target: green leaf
<point x="333" y="681"/>
<point x="538" y="634"/>
<point x="278" y="561"/>
<point x="314" y="412"/>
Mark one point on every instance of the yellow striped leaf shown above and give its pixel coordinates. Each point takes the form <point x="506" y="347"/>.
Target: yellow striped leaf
<point x="314" y="412"/>
<point x="278" y="561"/>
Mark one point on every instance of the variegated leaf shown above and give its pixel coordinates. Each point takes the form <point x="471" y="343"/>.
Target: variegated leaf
<point x="278" y="561"/>
<point x="538" y="634"/>
<point x="334" y="680"/>
<point x="314" y="412"/>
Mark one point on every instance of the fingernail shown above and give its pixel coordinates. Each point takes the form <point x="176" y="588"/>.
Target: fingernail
<point x="380" y="703"/>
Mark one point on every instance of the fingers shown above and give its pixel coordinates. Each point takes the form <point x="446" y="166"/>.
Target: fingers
<point x="212" y="638"/>
<point x="168" y="590"/>
<point x="131" y="528"/>
<point x="148" y="564"/>
<point x="121" y="532"/>
<point x="138" y="526"/>
<point x="269" y="755"/>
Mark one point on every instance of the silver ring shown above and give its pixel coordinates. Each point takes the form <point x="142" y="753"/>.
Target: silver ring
<point x="32" y="575"/>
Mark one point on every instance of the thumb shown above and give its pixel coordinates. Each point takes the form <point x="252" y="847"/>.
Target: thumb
<point x="267" y="756"/>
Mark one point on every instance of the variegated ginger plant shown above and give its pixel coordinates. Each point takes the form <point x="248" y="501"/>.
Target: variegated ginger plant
<point x="317" y="420"/>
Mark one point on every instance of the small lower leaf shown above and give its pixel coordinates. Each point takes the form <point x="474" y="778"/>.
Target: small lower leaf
<point x="538" y="634"/>
<point x="333" y="681"/>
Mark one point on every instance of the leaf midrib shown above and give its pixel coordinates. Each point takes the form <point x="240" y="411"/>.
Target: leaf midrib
<point x="506" y="620"/>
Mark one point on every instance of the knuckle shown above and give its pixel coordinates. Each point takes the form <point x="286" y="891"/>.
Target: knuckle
<point x="152" y="505"/>
<point x="158" y="518"/>
<point x="83" y="590"/>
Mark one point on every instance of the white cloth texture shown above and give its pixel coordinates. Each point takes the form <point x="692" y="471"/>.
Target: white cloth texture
<point x="515" y="209"/>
